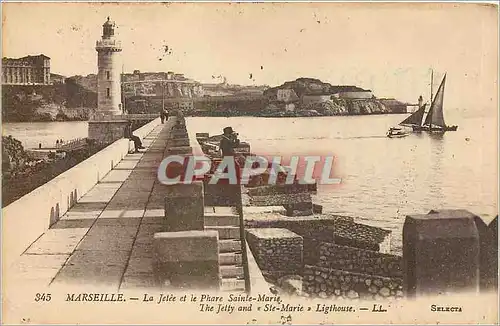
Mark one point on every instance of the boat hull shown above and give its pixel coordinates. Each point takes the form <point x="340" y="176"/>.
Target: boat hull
<point x="426" y="128"/>
<point x="397" y="135"/>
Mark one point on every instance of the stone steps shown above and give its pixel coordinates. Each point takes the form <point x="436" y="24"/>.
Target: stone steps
<point x="229" y="245"/>
<point x="230" y="258"/>
<point x="226" y="232"/>
<point x="231" y="271"/>
<point x="233" y="285"/>
<point x="217" y="219"/>
<point x="227" y="224"/>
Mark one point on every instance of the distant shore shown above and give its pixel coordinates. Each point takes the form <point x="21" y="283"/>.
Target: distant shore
<point x="229" y="113"/>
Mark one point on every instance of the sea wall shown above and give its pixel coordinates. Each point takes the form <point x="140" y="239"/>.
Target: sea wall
<point x="337" y="284"/>
<point x="359" y="260"/>
<point x="340" y="230"/>
<point x="31" y="215"/>
<point x="312" y="230"/>
<point x="276" y="251"/>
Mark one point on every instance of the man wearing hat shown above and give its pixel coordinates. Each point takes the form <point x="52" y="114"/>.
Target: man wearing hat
<point x="229" y="142"/>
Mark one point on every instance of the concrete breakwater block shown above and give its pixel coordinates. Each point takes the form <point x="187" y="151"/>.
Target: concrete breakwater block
<point x="336" y="284"/>
<point x="488" y="251"/>
<point x="281" y="199"/>
<point x="349" y="233"/>
<point x="278" y="189"/>
<point x="317" y="209"/>
<point x="188" y="259"/>
<point x="441" y="253"/>
<point x="276" y="249"/>
<point x="178" y="135"/>
<point x="184" y="207"/>
<point x="202" y="136"/>
<point x="221" y="194"/>
<point x="299" y="209"/>
<point x="178" y="142"/>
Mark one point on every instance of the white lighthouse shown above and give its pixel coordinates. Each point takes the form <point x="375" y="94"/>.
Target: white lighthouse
<point x="108" y="75"/>
<point x="106" y="124"/>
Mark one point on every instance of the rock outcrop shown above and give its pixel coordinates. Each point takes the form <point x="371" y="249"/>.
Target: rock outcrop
<point x="311" y="86"/>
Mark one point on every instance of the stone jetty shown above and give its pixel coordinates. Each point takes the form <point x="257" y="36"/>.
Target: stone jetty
<point x="109" y="221"/>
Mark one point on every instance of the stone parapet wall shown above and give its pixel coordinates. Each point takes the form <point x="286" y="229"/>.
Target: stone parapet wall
<point x="336" y="284"/>
<point x="276" y="249"/>
<point x="359" y="260"/>
<point x="31" y="215"/>
<point x="341" y="230"/>
<point x="312" y="230"/>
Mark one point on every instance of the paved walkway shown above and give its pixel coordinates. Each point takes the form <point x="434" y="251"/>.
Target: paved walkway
<point x="106" y="238"/>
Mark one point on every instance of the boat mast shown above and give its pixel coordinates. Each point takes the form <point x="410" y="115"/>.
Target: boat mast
<point x="432" y="82"/>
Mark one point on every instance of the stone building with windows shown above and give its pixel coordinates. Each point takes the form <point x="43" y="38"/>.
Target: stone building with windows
<point x="28" y="70"/>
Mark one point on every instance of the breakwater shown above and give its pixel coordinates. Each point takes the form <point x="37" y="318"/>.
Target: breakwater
<point x="31" y="215"/>
<point x="129" y="230"/>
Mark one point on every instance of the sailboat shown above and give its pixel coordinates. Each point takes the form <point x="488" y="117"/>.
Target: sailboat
<point x="434" y="121"/>
<point x="415" y="119"/>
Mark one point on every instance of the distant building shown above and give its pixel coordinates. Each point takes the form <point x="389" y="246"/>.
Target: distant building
<point x="29" y="70"/>
<point x="57" y="79"/>
<point x="355" y="95"/>
<point x="311" y="99"/>
<point x="286" y="95"/>
<point x="183" y="104"/>
<point x="159" y="84"/>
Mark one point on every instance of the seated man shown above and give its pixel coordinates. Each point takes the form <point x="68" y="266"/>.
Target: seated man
<point x="128" y="134"/>
<point x="229" y="142"/>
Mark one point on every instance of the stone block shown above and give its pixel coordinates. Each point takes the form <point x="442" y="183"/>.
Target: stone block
<point x="317" y="209"/>
<point x="184" y="207"/>
<point x="175" y="134"/>
<point x="276" y="249"/>
<point x="441" y="253"/>
<point x="488" y="242"/>
<point x="299" y="209"/>
<point x="178" y="142"/>
<point x="221" y="194"/>
<point x="181" y="150"/>
<point x="188" y="259"/>
<point x="202" y="135"/>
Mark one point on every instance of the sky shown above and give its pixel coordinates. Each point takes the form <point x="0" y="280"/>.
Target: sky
<point x="388" y="48"/>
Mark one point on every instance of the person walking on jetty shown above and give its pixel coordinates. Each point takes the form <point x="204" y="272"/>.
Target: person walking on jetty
<point x="164" y="115"/>
<point x="132" y="137"/>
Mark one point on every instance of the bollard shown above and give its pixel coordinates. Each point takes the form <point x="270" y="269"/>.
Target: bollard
<point x="440" y="253"/>
<point x="488" y="249"/>
<point x="184" y="207"/>
<point x="187" y="259"/>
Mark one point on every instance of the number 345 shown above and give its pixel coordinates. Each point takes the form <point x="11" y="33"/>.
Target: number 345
<point x="42" y="297"/>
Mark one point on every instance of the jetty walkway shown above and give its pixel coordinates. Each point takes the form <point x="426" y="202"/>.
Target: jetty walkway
<point x="106" y="237"/>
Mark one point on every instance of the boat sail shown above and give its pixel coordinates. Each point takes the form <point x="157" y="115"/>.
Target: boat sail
<point x="415" y="119"/>
<point x="435" y="116"/>
<point x="434" y="120"/>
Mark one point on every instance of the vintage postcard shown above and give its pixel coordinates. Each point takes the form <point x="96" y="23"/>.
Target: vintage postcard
<point x="249" y="163"/>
